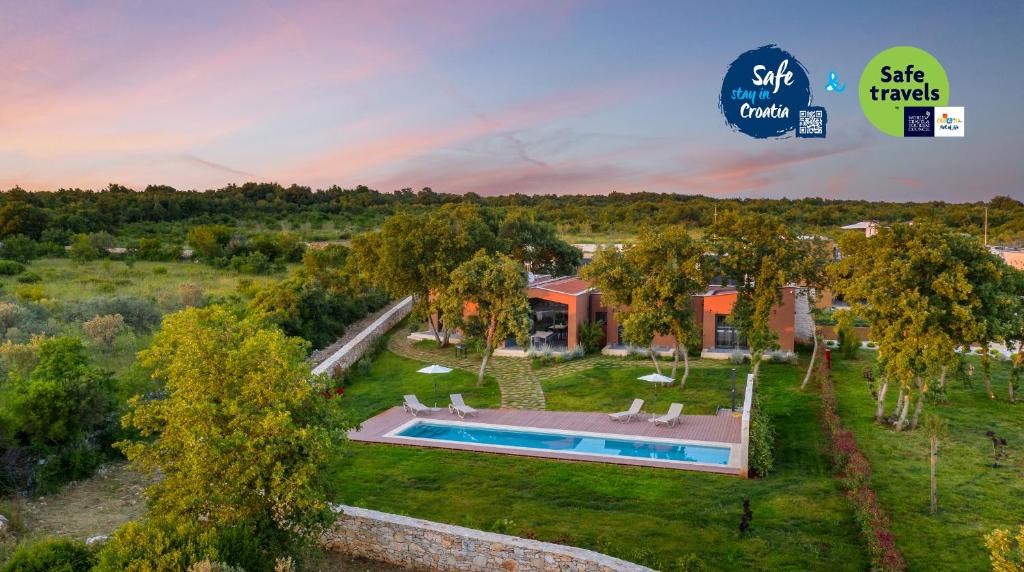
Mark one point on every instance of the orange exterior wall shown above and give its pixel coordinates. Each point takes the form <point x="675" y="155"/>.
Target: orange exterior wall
<point x="611" y="328"/>
<point x="783" y="318"/>
<point x="578" y="308"/>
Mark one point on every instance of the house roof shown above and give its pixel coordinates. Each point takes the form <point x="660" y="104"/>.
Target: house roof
<point x="860" y="225"/>
<point x="571" y="285"/>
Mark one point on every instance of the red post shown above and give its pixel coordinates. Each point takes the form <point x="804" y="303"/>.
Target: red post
<point x="828" y="359"/>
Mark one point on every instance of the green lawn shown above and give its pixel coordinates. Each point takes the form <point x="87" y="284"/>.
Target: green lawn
<point x="974" y="498"/>
<point x="708" y="387"/>
<point x="393" y="376"/>
<point x="652" y="516"/>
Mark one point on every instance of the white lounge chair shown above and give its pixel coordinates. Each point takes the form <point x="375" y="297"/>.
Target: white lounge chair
<point x="670" y="418"/>
<point x="458" y="406"/>
<point x="412" y="405"/>
<point x="632" y="413"/>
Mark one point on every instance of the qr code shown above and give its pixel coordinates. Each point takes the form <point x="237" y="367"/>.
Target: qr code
<point x="811" y="122"/>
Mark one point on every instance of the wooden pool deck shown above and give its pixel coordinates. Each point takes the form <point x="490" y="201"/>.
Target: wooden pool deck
<point x="714" y="430"/>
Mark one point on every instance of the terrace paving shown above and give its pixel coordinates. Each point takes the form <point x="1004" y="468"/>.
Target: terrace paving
<point x="717" y="429"/>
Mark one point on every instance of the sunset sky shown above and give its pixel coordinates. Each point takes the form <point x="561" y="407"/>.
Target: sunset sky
<point x="487" y="96"/>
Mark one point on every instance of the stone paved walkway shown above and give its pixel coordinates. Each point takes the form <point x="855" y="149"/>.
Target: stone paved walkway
<point x="519" y="382"/>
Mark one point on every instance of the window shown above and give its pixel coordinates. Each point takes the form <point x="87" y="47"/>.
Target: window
<point x="726" y="336"/>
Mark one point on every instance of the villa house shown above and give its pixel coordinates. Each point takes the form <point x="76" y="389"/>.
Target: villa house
<point x="560" y="305"/>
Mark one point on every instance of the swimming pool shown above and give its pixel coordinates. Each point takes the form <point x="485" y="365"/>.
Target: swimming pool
<point x="579" y="444"/>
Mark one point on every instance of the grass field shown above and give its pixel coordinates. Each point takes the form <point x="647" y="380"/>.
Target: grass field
<point x="656" y="517"/>
<point x="974" y="498"/>
<point x="66" y="280"/>
<point x="613" y="389"/>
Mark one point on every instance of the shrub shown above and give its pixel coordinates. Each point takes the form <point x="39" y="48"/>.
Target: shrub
<point x="191" y="294"/>
<point x="11" y="268"/>
<point x="51" y="555"/>
<point x="30" y="292"/>
<point x="1006" y="551"/>
<point x="252" y="263"/>
<point x="30" y="278"/>
<point x="103" y="329"/>
<point x="855" y="476"/>
<point x="154" y="545"/>
<point x="19" y="247"/>
<point x="762" y="439"/>
<point x="737" y="357"/>
<point x="139" y="314"/>
<point x="589" y="335"/>
<point x="159" y="270"/>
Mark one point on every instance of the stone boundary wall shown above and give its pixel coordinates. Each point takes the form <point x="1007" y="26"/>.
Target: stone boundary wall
<point x="356" y="347"/>
<point x="425" y="545"/>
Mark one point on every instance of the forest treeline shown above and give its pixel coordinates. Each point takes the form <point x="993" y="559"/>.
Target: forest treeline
<point x="55" y="217"/>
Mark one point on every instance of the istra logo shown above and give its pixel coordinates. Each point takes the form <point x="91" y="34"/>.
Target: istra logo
<point x="902" y="92"/>
<point x="766" y="94"/>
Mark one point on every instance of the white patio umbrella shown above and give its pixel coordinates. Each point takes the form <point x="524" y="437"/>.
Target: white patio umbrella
<point x="434" y="369"/>
<point x="656" y="378"/>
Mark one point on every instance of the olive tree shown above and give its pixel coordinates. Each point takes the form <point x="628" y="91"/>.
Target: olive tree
<point x="487" y="295"/>
<point x="653" y="282"/>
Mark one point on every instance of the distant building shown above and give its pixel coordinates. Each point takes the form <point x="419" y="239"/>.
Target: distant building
<point x="869" y="227"/>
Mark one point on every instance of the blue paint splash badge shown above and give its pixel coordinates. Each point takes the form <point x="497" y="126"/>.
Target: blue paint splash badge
<point x="763" y="92"/>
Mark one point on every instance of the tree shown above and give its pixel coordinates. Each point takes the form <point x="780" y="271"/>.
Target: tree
<point x="919" y="287"/>
<point x="760" y="254"/>
<point x="19" y="247"/>
<point x="83" y="249"/>
<point x="19" y="217"/>
<point x="536" y="244"/>
<point x="241" y="436"/>
<point x="209" y="241"/>
<point x="64" y="398"/>
<point x="653" y="282"/>
<point x="102" y="330"/>
<point x="493" y="285"/>
<point x="416" y="254"/>
<point x="937" y="429"/>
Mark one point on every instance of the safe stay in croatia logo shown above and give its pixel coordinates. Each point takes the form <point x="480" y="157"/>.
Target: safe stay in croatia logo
<point x="766" y="93"/>
<point x="904" y="92"/>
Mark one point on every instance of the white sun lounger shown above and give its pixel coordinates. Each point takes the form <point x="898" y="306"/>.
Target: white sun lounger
<point x="670" y="418"/>
<point x="412" y="405"/>
<point x="633" y="413"/>
<point x="458" y="406"/>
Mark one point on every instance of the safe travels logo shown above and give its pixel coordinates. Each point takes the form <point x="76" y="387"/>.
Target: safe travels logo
<point x="766" y="93"/>
<point x="904" y="92"/>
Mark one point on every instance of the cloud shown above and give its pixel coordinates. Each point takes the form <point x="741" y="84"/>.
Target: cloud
<point x="216" y="166"/>
<point x="732" y="172"/>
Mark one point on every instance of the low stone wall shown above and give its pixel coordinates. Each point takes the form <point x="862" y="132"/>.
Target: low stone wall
<point x="354" y="349"/>
<point x="425" y="545"/>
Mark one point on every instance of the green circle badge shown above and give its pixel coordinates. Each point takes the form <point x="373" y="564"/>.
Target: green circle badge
<point x="903" y="76"/>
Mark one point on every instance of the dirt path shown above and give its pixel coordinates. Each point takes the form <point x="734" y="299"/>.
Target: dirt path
<point x="89" y="508"/>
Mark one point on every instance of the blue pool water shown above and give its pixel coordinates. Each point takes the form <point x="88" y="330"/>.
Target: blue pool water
<point x="569" y="443"/>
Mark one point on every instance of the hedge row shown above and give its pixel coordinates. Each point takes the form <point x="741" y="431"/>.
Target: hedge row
<point x="854" y="472"/>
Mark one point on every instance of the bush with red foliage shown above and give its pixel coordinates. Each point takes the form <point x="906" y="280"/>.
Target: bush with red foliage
<point x="854" y="471"/>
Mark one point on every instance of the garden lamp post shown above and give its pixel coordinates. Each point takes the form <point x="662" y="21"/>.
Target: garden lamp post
<point x="734" y="389"/>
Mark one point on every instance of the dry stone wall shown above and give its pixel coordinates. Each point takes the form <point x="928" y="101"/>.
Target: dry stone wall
<point x="425" y="545"/>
